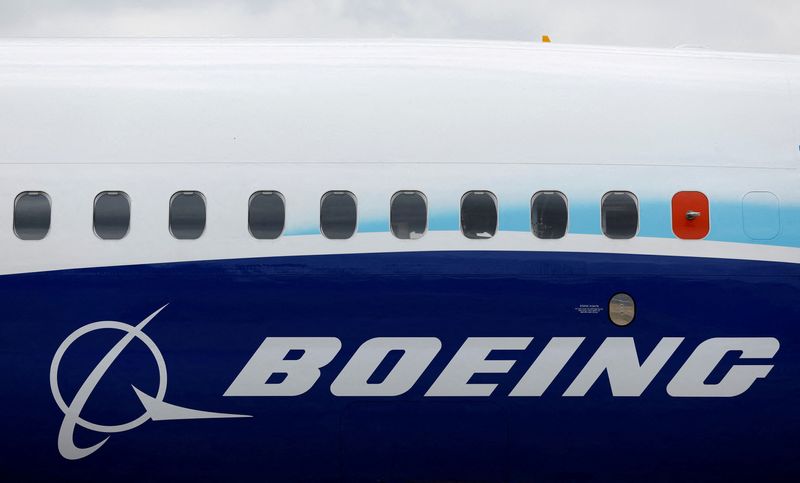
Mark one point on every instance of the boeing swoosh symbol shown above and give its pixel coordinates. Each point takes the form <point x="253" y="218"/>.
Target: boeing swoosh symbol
<point x="155" y="408"/>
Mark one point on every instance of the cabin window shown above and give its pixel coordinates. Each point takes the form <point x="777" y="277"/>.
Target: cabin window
<point x="549" y="214"/>
<point x="337" y="215"/>
<point x="478" y="214"/>
<point x="112" y="215"/>
<point x="690" y="215"/>
<point x="187" y="215"/>
<point x="761" y="215"/>
<point x="620" y="214"/>
<point x="32" y="215"/>
<point x="409" y="215"/>
<point x="266" y="215"/>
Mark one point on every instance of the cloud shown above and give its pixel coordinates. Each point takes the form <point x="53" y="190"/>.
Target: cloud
<point x="747" y="25"/>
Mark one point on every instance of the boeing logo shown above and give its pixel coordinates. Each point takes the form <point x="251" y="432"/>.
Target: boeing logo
<point x="617" y="358"/>
<point x="154" y="406"/>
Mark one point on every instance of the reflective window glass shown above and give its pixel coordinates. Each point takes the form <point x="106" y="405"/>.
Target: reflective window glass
<point x="337" y="215"/>
<point x="409" y="215"/>
<point x="479" y="214"/>
<point x="112" y="215"/>
<point x="32" y="215"/>
<point x="266" y="215"/>
<point x="187" y="215"/>
<point x="620" y="214"/>
<point x="549" y="214"/>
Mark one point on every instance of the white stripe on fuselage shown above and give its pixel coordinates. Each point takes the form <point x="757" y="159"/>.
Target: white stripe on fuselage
<point x="38" y="256"/>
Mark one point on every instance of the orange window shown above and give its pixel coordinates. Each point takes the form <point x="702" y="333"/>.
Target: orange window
<point x="690" y="215"/>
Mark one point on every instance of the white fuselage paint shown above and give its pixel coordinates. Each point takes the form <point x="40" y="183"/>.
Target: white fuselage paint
<point x="232" y="117"/>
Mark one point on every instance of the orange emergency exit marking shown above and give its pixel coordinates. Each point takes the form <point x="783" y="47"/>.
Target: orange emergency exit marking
<point x="690" y="215"/>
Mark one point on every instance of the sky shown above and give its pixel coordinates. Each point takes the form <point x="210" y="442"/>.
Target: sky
<point x="737" y="25"/>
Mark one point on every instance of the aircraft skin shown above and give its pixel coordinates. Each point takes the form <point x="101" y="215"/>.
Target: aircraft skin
<point x="373" y="358"/>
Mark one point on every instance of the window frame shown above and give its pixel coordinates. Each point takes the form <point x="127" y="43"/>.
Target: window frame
<point x="496" y="210"/>
<point x="427" y="213"/>
<point x="205" y="213"/>
<point x="249" y="203"/>
<point x="638" y="214"/>
<point x="566" y="204"/>
<point x="355" y="202"/>
<point x="130" y="213"/>
<point x="49" y="213"/>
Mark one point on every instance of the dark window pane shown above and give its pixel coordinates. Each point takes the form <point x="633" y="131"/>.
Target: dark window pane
<point x="620" y="213"/>
<point x="549" y="214"/>
<point x="266" y="215"/>
<point x="337" y="215"/>
<point x="112" y="215"/>
<point x="187" y="215"/>
<point x="479" y="214"/>
<point x="409" y="215"/>
<point x="32" y="215"/>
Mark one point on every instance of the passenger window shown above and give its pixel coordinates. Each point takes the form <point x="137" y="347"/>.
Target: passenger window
<point x="478" y="214"/>
<point x="620" y="214"/>
<point x="690" y="215"/>
<point x="187" y="215"/>
<point x="549" y="214"/>
<point x="112" y="215"/>
<point x="266" y="215"/>
<point x="337" y="215"/>
<point x="409" y="215"/>
<point x="31" y="215"/>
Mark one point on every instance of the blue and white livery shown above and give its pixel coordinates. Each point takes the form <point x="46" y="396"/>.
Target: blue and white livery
<point x="166" y="354"/>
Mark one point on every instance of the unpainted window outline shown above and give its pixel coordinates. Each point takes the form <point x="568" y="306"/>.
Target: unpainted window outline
<point x="130" y="212"/>
<point x="566" y="204"/>
<point x="205" y="218"/>
<point x="780" y="218"/>
<point x="338" y="192"/>
<point x="496" y="210"/>
<point x="427" y="212"/>
<point x="50" y="213"/>
<point x="638" y="213"/>
<point x="264" y="192"/>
